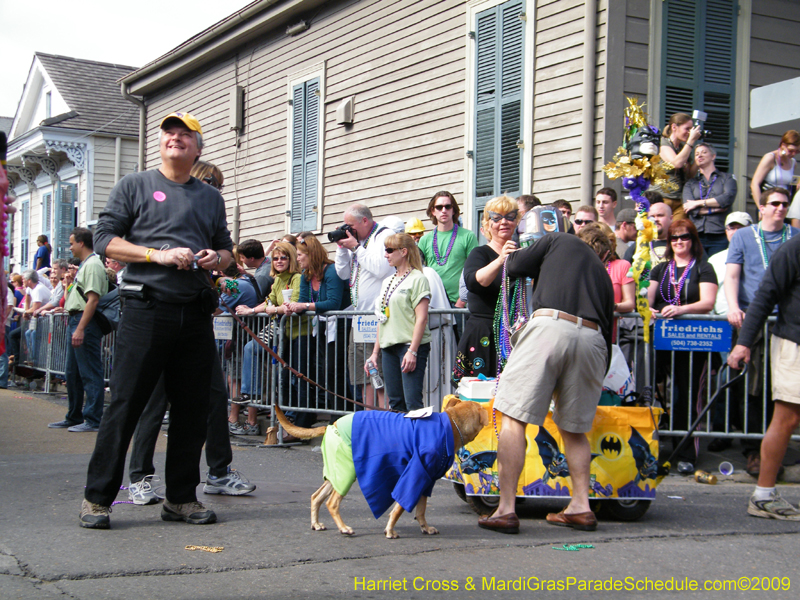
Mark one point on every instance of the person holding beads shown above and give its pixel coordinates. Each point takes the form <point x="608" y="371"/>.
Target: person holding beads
<point x="403" y="334"/>
<point x="677" y="150"/>
<point x="477" y="352"/>
<point x="683" y="284"/>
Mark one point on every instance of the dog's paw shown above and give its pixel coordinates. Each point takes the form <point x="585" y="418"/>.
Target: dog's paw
<point x="346" y="530"/>
<point x="429" y="530"/>
<point x="391" y="534"/>
<point x="318" y="526"/>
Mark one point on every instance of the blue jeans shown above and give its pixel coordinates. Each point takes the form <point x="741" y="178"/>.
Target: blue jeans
<point x="84" y="373"/>
<point x="30" y="342"/>
<point x="252" y="369"/>
<point x="404" y="390"/>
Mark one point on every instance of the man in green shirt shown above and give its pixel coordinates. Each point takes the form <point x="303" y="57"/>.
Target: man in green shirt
<point x="84" y="371"/>
<point x="446" y="248"/>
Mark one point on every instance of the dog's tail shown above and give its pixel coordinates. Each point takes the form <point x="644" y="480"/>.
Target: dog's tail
<point x="298" y="432"/>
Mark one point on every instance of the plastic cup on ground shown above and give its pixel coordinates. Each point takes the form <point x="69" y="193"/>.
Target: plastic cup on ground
<point x="725" y="468"/>
<point x="287" y="295"/>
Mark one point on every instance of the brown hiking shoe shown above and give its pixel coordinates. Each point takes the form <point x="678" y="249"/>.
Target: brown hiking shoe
<point x="191" y="512"/>
<point x="95" y="516"/>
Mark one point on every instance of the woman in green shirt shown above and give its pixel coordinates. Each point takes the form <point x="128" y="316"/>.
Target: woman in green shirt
<point x="403" y="334"/>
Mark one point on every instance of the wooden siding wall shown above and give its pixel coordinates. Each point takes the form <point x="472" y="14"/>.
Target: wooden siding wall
<point x="104" y="157"/>
<point x="774" y="56"/>
<point x="558" y="97"/>
<point x="403" y="62"/>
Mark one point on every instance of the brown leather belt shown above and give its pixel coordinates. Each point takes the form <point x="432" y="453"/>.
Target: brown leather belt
<point x="547" y="312"/>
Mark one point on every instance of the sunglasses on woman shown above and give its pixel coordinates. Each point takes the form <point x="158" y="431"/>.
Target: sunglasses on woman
<point x="497" y="217"/>
<point x="390" y="250"/>
<point x="280" y="258"/>
<point x="684" y="237"/>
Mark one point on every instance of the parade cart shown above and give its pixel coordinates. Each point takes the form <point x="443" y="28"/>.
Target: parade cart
<point x="624" y="468"/>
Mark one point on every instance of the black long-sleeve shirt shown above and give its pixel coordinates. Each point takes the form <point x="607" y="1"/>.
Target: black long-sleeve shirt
<point x="567" y="276"/>
<point x="781" y="286"/>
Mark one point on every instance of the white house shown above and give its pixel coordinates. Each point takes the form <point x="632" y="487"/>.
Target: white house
<point x="72" y="138"/>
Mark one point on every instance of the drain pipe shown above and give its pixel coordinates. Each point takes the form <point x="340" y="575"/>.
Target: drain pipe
<point x="587" y="129"/>
<point x="142" y="123"/>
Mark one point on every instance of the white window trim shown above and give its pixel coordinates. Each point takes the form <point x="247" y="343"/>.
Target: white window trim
<point x="296" y="78"/>
<point x="473" y="8"/>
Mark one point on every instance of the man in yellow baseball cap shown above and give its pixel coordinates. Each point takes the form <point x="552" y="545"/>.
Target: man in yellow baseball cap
<point x="184" y="118"/>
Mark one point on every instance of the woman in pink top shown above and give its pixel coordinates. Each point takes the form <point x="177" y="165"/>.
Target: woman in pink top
<point x="624" y="289"/>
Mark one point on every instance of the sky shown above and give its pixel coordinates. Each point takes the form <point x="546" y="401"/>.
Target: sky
<point x="124" y="32"/>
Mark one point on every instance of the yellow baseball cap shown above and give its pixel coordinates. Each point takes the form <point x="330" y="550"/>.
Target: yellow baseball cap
<point x="185" y="118"/>
<point x="414" y="226"/>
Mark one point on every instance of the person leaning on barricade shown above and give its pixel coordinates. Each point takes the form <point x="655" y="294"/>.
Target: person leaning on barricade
<point x="319" y="356"/>
<point x="360" y="261"/>
<point x="171" y="230"/>
<point x="286" y="274"/>
<point x="750" y="251"/>
<point x="683" y="284"/>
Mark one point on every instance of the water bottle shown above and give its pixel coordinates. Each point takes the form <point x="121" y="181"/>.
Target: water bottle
<point x="374" y="376"/>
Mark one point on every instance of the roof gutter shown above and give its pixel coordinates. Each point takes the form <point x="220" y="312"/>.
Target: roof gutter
<point x="215" y="41"/>
<point x="589" y="90"/>
<point x="142" y="122"/>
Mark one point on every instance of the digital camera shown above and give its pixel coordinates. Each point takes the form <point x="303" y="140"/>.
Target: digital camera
<point x="340" y="233"/>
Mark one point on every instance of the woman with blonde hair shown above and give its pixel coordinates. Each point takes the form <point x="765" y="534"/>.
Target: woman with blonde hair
<point x="403" y="334"/>
<point x="286" y="273"/>
<point x="477" y="352"/>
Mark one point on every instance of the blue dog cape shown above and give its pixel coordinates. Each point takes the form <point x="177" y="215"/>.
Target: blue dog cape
<point x="400" y="459"/>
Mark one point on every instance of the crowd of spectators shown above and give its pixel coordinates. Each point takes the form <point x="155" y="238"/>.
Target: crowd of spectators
<point x="705" y="259"/>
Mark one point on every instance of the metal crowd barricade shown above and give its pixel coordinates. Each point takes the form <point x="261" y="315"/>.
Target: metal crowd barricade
<point x="43" y="347"/>
<point x="731" y="416"/>
<point x="328" y="363"/>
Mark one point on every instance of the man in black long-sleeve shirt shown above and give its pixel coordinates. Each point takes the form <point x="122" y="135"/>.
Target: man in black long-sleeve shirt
<point x="781" y="286"/>
<point x="561" y="353"/>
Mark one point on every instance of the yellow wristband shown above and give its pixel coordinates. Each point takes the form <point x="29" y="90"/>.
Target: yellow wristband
<point x="149" y="253"/>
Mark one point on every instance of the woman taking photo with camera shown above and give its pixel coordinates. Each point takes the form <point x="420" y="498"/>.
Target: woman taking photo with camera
<point x="403" y="333"/>
<point x="681" y="136"/>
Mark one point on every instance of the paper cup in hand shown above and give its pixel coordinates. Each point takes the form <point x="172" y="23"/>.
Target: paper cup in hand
<point x="287" y="295"/>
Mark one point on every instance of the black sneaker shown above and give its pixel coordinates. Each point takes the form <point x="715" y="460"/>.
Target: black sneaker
<point x="191" y="512"/>
<point x="62" y="424"/>
<point x="95" y="516"/>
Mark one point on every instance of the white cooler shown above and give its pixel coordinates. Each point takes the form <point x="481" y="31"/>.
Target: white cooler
<point x="478" y="390"/>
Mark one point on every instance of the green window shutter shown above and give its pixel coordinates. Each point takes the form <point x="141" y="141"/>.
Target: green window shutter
<point x="66" y="194"/>
<point x="47" y="212"/>
<point x="25" y="226"/>
<point x="699" y="66"/>
<point x="305" y="155"/>
<point x="500" y="36"/>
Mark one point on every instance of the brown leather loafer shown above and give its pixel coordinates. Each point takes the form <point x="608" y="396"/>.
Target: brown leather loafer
<point x="585" y="521"/>
<point x="503" y="524"/>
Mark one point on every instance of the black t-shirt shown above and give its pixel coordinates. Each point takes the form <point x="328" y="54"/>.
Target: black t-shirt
<point x="660" y="244"/>
<point x="701" y="272"/>
<point x="568" y="276"/>
<point x="481" y="301"/>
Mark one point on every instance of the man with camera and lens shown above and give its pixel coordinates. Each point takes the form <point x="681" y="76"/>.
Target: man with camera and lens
<point x="171" y="230"/>
<point x="360" y="260"/>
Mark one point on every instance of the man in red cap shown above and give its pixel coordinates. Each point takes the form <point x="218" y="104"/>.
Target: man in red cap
<point x="170" y="229"/>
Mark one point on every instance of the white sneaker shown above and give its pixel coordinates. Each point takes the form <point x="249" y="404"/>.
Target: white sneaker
<point x="773" y="508"/>
<point x="144" y="492"/>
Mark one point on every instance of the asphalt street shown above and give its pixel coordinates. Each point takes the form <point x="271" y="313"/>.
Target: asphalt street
<point x="693" y="534"/>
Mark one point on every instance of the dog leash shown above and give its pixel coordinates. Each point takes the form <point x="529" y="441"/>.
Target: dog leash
<point x="285" y="365"/>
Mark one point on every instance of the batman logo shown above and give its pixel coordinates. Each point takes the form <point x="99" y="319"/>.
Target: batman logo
<point x="611" y="446"/>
